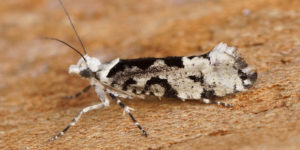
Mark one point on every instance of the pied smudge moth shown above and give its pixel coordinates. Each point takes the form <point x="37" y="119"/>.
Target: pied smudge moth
<point x="215" y="74"/>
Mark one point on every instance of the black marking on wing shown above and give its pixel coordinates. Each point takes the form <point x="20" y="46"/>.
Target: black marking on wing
<point x="197" y="79"/>
<point x="191" y="57"/>
<point x="169" y="91"/>
<point x="142" y="63"/>
<point x="206" y="56"/>
<point x="208" y="94"/>
<point x="252" y="77"/>
<point x="242" y="75"/>
<point x="127" y="83"/>
<point x="174" y="62"/>
<point x="240" y="63"/>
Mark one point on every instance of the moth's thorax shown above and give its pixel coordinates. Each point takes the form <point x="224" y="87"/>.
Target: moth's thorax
<point x="105" y="68"/>
<point x="85" y="68"/>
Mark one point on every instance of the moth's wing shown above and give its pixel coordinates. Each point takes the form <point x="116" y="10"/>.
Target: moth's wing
<point x="145" y="76"/>
<point x="214" y="74"/>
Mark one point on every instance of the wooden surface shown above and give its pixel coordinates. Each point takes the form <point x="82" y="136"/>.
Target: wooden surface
<point x="33" y="73"/>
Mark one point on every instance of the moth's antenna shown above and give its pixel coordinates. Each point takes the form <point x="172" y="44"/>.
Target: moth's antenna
<point x="55" y="39"/>
<point x="69" y="18"/>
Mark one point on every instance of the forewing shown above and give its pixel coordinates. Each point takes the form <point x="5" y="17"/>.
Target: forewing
<point x="215" y="74"/>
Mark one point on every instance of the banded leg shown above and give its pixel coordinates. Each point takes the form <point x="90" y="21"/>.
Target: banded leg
<point x="78" y="93"/>
<point x="76" y="118"/>
<point x="127" y="109"/>
<point x="208" y="101"/>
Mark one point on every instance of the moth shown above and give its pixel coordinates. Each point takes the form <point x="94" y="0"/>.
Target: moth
<point x="205" y="77"/>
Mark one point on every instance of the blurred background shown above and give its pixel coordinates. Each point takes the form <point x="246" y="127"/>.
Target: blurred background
<point x="33" y="72"/>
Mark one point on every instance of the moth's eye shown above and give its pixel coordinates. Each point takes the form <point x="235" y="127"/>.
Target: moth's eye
<point x="85" y="73"/>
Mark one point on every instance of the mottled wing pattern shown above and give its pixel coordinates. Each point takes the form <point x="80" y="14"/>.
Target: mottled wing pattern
<point x="214" y="74"/>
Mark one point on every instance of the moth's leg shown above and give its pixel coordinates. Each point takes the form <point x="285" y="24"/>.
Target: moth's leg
<point x="127" y="109"/>
<point x="104" y="103"/>
<point x="78" y="93"/>
<point x="76" y="118"/>
<point x="208" y="101"/>
<point x="102" y="95"/>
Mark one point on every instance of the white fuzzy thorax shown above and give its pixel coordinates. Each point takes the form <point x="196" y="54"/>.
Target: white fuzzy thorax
<point x="106" y="67"/>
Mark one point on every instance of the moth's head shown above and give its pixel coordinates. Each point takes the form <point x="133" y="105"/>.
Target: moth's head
<point x="85" y="67"/>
